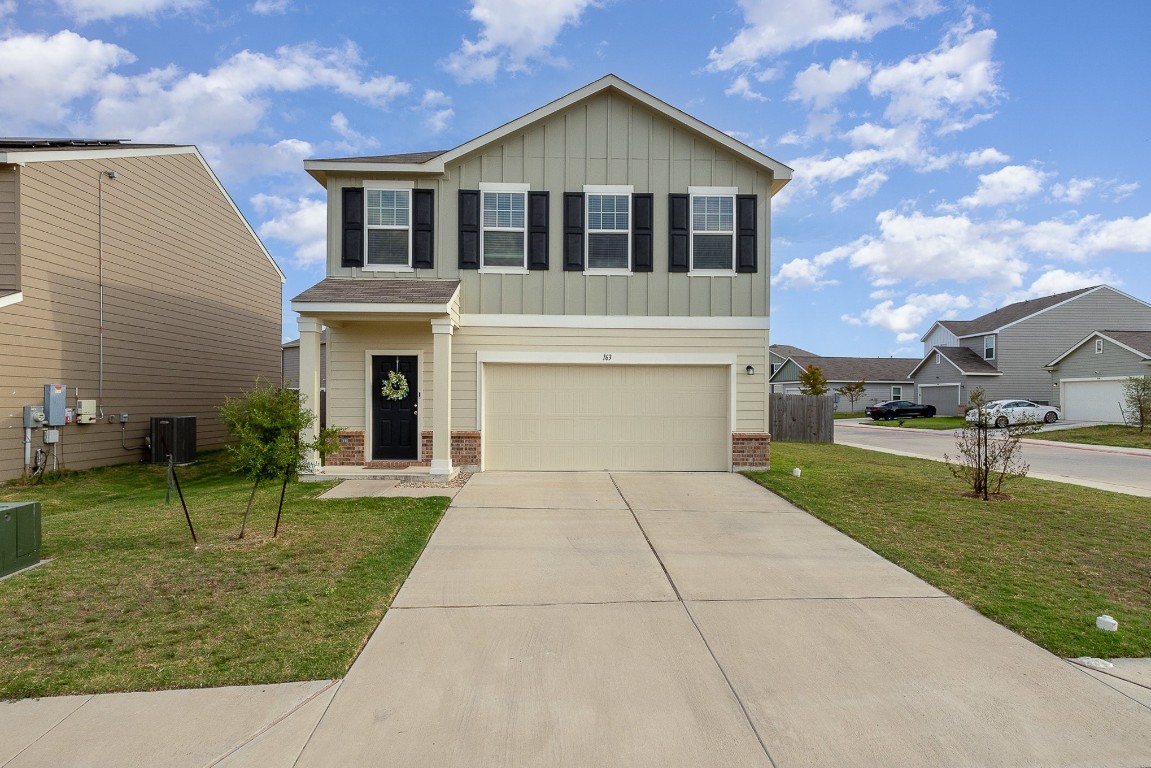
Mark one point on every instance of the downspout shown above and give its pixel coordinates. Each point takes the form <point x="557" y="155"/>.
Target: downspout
<point x="100" y="278"/>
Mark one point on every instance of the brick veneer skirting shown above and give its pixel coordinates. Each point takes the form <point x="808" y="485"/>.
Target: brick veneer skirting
<point x="465" y="451"/>
<point x="750" y="449"/>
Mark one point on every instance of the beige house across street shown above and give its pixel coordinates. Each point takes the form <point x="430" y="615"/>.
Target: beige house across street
<point x="130" y="280"/>
<point x="585" y="287"/>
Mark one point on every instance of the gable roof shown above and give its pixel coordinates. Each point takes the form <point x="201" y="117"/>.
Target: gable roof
<point x="1005" y="316"/>
<point x="436" y="162"/>
<point x="870" y="369"/>
<point x="343" y="290"/>
<point x="964" y="360"/>
<point x="786" y="350"/>
<point x="21" y="151"/>
<point x="1136" y="342"/>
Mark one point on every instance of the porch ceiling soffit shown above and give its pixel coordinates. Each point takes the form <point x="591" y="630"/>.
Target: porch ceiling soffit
<point x="378" y="299"/>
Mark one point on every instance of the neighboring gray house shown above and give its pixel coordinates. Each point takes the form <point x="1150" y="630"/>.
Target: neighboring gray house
<point x="1006" y="352"/>
<point x="779" y="354"/>
<point x="1089" y="376"/>
<point x="290" y="363"/>
<point x="886" y="377"/>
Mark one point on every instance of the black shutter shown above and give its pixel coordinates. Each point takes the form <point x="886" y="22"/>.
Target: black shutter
<point x="469" y="217"/>
<point x="352" y="252"/>
<point x="679" y="233"/>
<point x="537" y="230"/>
<point x="641" y="232"/>
<point x="573" y="231"/>
<point x="746" y="258"/>
<point x="423" y="220"/>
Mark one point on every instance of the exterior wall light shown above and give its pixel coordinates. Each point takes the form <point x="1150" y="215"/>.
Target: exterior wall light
<point x="750" y="370"/>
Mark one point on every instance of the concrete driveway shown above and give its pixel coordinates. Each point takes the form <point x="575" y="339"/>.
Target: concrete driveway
<point x="1122" y="470"/>
<point x="600" y="619"/>
<point x="620" y="619"/>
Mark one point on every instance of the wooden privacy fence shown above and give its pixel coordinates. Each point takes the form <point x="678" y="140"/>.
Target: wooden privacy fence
<point x="802" y="418"/>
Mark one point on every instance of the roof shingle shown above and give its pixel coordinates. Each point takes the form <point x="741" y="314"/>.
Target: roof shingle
<point x="379" y="291"/>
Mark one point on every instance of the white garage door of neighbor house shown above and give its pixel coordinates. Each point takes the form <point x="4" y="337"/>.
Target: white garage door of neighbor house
<point x="1093" y="401"/>
<point x="944" y="398"/>
<point x="588" y="417"/>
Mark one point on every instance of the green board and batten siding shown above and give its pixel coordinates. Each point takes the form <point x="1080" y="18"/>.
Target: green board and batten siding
<point x="607" y="139"/>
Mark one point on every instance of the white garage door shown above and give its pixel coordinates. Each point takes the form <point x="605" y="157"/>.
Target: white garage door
<point x="587" y="417"/>
<point x="1092" y="401"/>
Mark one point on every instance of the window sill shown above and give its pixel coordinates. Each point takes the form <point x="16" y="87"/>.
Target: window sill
<point x="386" y="268"/>
<point x="712" y="273"/>
<point x="503" y="270"/>
<point x="602" y="271"/>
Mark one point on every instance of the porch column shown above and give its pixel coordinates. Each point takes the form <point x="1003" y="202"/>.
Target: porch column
<point x="310" y="379"/>
<point x="442" y="397"/>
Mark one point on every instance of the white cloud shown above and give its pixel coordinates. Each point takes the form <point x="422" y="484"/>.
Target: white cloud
<point x="908" y="320"/>
<point x="1059" y="280"/>
<point x="820" y="88"/>
<point x="270" y="7"/>
<point x="801" y="273"/>
<point x="243" y="160"/>
<point x="300" y="223"/>
<point x="953" y="78"/>
<point x="773" y="27"/>
<point x="92" y="10"/>
<point x="866" y="187"/>
<point x="515" y="32"/>
<point x="988" y="156"/>
<point x="1120" y="191"/>
<point x="438" y="111"/>
<point x="875" y="149"/>
<point x="1009" y="184"/>
<point x="42" y="76"/>
<point x="1073" y="191"/>
<point x="7" y="8"/>
<point x="741" y="86"/>
<point x="168" y="105"/>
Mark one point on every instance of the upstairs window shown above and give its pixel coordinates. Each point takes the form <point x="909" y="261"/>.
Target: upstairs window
<point x="1099" y="346"/>
<point x="608" y="228"/>
<point x="988" y="347"/>
<point x="388" y="228"/>
<point x="712" y="230"/>
<point x="504" y="235"/>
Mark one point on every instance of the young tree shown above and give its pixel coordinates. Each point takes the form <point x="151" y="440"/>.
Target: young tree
<point x="852" y="392"/>
<point x="1137" y="401"/>
<point x="266" y="423"/>
<point x="812" y="381"/>
<point x="985" y="461"/>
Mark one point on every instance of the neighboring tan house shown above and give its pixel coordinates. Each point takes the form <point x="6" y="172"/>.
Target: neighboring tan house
<point x="1006" y="351"/>
<point x="1089" y="376"/>
<point x="128" y="275"/>
<point x="886" y="378"/>
<point x="780" y="353"/>
<point x="585" y="287"/>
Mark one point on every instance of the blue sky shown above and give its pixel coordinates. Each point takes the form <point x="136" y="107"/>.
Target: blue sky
<point x="949" y="157"/>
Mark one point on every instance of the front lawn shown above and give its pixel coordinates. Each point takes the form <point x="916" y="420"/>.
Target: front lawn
<point x="1044" y="563"/>
<point x="1107" y="434"/>
<point x="127" y="603"/>
<point x="935" y="422"/>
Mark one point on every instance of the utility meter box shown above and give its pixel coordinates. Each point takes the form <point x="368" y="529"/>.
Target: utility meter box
<point x="33" y="416"/>
<point x="55" y="405"/>
<point x="85" y="411"/>
<point x="19" y="536"/>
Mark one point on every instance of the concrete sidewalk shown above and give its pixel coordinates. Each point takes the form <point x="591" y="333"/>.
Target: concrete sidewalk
<point x="635" y="619"/>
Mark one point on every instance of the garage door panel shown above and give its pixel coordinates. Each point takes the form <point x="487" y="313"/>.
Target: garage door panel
<point x="571" y="417"/>
<point x="1093" y="401"/>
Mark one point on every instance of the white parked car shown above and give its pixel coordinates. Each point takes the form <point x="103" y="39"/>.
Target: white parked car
<point x="1000" y="413"/>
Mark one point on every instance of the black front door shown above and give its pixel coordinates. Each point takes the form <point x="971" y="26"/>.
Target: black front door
<point x="395" y="425"/>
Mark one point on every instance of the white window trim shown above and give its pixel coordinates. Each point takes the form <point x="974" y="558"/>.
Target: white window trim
<point x="992" y="339"/>
<point x="492" y="186"/>
<point x="395" y="186"/>
<point x="1099" y="346"/>
<point x="608" y="189"/>
<point x="694" y="192"/>
<point x="895" y="396"/>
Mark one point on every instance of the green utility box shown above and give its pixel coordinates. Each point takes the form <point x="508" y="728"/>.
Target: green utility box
<point x="19" y="536"/>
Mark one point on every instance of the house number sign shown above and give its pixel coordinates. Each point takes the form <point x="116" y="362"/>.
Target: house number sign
<point x="607" y="357"/>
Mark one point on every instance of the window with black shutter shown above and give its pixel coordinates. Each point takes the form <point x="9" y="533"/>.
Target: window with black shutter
<point x="537" y="230"/>
<point x="746" y="243"/>
<point x="679" y="233"/>
<point x="641" y="235"/>
<point x="573" y="232"/>
<point x="469" y="228"/>
<point x="352" y="245"/>
<point x="423" y="228"/>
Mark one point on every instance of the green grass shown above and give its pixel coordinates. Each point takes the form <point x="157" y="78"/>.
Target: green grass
<point x="936" y="422"/>
<point x="128" y="604"/>
<point x="846" y="415"/>
<point x="1044" y="563"/>
<point x="1107" y="434"/>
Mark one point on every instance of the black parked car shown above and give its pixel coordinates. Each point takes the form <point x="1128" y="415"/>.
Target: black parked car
<point x="899" y="409"/>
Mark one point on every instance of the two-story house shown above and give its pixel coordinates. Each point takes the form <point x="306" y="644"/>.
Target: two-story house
<point x="585" y="287"/>
<point x="1006" y="352"/>
<point x="130" y="279"/>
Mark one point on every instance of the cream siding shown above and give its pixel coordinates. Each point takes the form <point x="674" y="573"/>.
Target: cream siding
<point x="191" y="302"/>
<point x="348" y="348"/>
<point x="1026" y="347"/>
<point x="9" y="249"/>
<point x="561" y="154"/>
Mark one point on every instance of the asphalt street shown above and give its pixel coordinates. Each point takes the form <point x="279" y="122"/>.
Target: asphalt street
<point x="1123" y="470"/>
